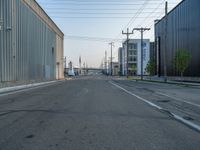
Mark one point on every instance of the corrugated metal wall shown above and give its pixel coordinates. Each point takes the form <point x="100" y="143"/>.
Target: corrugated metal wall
<point x="28" y="45"/>
<point x="183" y="32"/>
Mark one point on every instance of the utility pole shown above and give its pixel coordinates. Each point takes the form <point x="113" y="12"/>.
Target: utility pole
<point x="165" y="49"/>
<point x="106" y="62"/>
<point x="142" y="30"/>
<point x="65" y="62"/>
<point x="84" y="68"/>
<point x="127" y="54"/>
<point x="80" y="69"/>
<point x="65" y="66"/>
<point x="111" y="45"/>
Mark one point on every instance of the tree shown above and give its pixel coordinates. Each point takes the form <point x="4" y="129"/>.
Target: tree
<point x="134" y="68"/>
<point x="150" y="68"/>
<point x="181" y="60"/>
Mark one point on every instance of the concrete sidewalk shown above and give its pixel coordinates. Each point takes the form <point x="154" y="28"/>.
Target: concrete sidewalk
<point x="171" y="80"/>
<point x="190" y="81"/>
<point x="25" y="86"/>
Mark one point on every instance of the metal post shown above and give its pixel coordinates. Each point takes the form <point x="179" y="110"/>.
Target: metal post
<point x="111" y="44"/>
<point x="106" y="62"/>
<point x="165" y="50"/>
<point x="111" y="61"/>
<point x="142" y="31"/>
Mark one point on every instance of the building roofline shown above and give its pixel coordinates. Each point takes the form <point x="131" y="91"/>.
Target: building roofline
<point x="44" y="12"/>
<point x="134" y="39"/>
<point x="159" y="20"/>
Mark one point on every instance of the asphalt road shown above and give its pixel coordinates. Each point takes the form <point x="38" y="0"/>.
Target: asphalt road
<point x="90" y="113"/>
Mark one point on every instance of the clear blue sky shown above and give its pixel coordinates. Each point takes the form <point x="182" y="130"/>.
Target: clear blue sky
<point x="89" y="25"/>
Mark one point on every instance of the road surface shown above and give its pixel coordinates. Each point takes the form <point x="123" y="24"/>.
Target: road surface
<point x="91" y="113"/>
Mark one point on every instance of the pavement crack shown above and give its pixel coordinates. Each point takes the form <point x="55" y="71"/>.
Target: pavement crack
<point x="30" y="136"/>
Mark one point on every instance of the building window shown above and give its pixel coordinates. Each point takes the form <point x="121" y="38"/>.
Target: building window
<point x="144" y="45"/>
<point x="135" y="52"/>
<point x="144" y="54"/>
<point x="135" y="46"/>
<point x="130" y="52"/>
<point x="130" y="46"/>
<point x="133" y="58"/>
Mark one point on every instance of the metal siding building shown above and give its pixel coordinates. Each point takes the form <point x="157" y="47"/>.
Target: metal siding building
<point x="183" y="32"/>
<point x="31" y="45"/>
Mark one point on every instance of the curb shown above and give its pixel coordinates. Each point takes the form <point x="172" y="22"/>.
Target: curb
<point x="21" y="87"/>
<point x="176" y="117"/>
<point x="169" y="82"/>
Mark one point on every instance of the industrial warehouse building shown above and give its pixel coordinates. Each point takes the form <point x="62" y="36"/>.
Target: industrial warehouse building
<point x="183" y="32"/>
<point x="31" y="45"/>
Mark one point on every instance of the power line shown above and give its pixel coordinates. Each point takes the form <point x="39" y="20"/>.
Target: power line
<point x="87" y="38"/>
<point x="70" y="8"/>
<point x="98" y="13"/>
<point x="137" y="13"/>
<point x="97" y="17"/>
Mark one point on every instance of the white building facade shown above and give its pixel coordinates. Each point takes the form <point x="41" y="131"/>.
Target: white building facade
<point x="121" y="57"/>
<point x="134" y="53"/>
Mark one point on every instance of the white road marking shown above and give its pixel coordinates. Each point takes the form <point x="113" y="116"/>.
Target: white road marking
<point x="188" y="123"/>
<point x="178" y="99"/>
<point x="177" y="117"/>
<point x="175" y="98"/>
<point x="146" y="101"/>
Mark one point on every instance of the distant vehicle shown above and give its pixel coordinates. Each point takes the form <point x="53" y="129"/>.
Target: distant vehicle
<point x="71" y="69"/>
<point x="71" y="72"/>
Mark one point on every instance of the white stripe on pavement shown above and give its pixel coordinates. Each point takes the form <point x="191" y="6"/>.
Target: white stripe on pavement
<point x="146" y="101"/>
<point x="178" y="99"/>
<point x="175" y="98"/>
<point x="179" y="118"/>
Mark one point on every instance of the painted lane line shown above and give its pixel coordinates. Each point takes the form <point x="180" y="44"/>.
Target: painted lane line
<point x="177" y="117"/>
<point x="186" y="122"/>
<point x="174" y="98"/>
<point x="178" y="99"/>
<point x="146" y="101"/>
